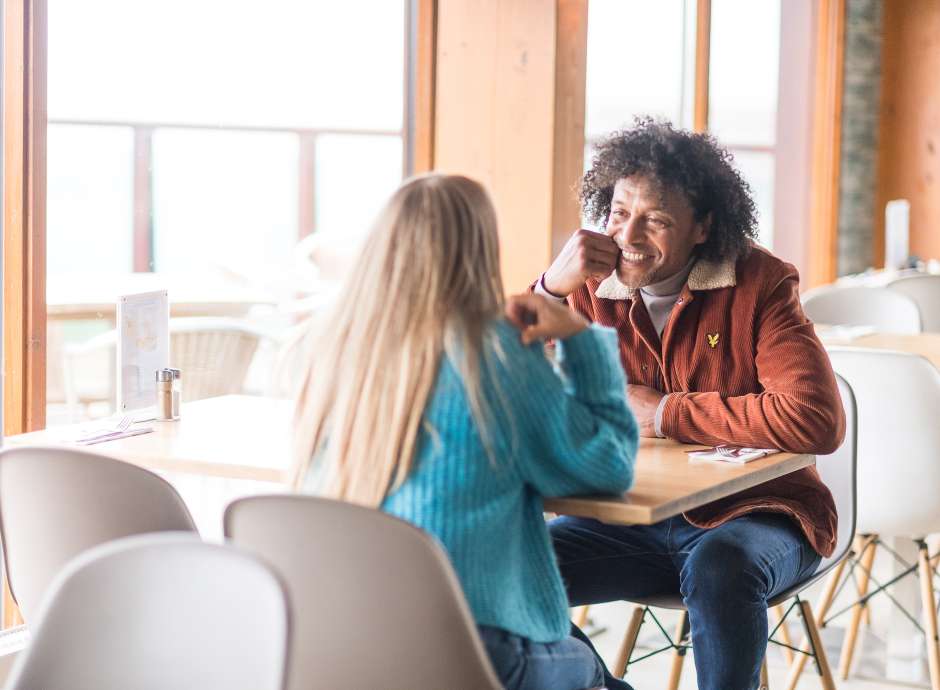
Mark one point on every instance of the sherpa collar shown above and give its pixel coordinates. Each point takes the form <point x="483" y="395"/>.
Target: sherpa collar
<point x="705" y="275"/>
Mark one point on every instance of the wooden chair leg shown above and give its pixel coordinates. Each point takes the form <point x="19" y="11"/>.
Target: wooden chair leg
<point x="11" y="614"/>
<point x="784" y="634"/>
<point x="764" y="675"/>
<point x="678" y="655"/>
<point x="579" y="615"/>
<point x="629" y="642"/>
<point x="929" y="604"/>
<point x="822" y="608"/>
<point x="866" y="610"/>
<point x="812" y="634"/>
<point x="866" y="558"/>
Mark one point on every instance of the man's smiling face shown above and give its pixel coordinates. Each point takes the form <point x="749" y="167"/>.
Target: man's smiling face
<point x="655" y="230"/>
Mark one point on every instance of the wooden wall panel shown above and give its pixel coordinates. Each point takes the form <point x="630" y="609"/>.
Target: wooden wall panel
<point x="495" y="118"/>
<point x="909" y="133"/>
<point x="570" y="81"/>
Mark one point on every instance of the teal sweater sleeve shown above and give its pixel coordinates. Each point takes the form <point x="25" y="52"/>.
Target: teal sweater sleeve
<point x="579" y="434"/>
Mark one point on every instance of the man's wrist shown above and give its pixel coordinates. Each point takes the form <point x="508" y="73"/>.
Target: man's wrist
<point x="658" y="418"/>
<point x="540" y="288"/>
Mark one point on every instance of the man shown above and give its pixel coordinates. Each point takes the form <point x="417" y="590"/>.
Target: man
<point x="717" y="350"/>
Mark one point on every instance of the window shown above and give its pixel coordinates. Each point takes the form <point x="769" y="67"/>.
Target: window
<point x="742" y="94"/>
<point x="641" y="61"/>
<point x="215" y="149"/>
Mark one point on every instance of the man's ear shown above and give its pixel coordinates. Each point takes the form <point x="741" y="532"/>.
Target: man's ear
<point x="702" y="228"/>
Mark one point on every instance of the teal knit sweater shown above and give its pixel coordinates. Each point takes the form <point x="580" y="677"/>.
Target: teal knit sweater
<point x="550" y="436"/>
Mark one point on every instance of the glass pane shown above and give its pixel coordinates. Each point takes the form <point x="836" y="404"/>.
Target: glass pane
<point x="758" y="169"/>
<point x="195" y="112"/>
<point x="355" y="176"/>
<point x="224" y="202"/>
<point x="283" y="62"/>
<point x="90" y="197"/>
<point x="637" y="62"/>
<point x="743" y="71"/>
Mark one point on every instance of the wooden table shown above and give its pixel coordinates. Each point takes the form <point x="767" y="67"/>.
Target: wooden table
<point x="924" y="344"/>
<point x="668" y="483"/>
<point x="231" y="436"/>
<point x="246" y="437"/>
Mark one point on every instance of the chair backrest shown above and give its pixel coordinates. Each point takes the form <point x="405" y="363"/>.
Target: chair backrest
<point x="214" y="354"/>
<point x="925" y="291"/>
<point x="57" y="502"/>
<point x="898" y="395"/>
<point x="837" y="471"/>
<point x="887" y="310"/>
<point x="159" y="611"/>
<point x="375" y="599"/>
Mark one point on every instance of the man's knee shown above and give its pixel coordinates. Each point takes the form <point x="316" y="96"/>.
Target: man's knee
<point x="723" y="570"/>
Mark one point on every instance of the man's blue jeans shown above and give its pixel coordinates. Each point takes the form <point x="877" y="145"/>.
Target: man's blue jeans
<point x="725" y="576"/>
<point x="521" y="664"/>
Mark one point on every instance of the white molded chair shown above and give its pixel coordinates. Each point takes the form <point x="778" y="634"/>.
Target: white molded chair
<point x="924" y="289"/>
<point x="155" y="612"/>
<point x="57" y="502"/>
<point x="376" y="601"/>
<point x="837" y="471"/>
<point x="887" y="310"/>
<point x="898" y="397"/>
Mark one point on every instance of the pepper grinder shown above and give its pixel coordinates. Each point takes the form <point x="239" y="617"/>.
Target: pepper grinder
<point x="177" y="392"/>
<point x="165" y="396"/>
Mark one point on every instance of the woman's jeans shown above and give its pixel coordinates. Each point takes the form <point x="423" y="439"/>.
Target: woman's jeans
<point x="524" y="665"/>
<point x="725" y="576"/>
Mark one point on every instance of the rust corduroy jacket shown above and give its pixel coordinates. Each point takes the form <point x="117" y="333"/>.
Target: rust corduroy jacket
<point x="742" y="365"/>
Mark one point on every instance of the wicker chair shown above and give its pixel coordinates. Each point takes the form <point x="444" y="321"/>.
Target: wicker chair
<point x="214" y="354"/>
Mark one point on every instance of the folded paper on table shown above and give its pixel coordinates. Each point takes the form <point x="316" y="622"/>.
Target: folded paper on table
<point x="88" y="437"/>
<point x="738" y="456"/>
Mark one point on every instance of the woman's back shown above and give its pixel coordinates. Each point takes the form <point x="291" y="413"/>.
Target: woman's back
<point x="545" y="437"/>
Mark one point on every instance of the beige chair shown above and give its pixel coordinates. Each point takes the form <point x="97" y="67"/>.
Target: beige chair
<point x="376" y="603"/>
<point x="837" y="471"/>
<point x="924" y="289"/>
<point x="159" y="611"/>
<point x="214" y="354"/>
<point x="57" y="502"/>
<point x="887" y="311"/>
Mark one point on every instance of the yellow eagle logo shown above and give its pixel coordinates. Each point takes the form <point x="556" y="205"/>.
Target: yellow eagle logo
<point x="712" y="339"/>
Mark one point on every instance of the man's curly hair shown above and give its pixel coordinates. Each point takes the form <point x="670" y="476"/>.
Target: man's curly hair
<point x="693" y="164"/>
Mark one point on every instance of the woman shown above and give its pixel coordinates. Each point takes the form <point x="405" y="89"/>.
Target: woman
<point x="422" y="399"/>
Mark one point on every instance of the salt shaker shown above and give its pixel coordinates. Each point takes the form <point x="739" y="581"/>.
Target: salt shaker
<point x="165" y="396"/>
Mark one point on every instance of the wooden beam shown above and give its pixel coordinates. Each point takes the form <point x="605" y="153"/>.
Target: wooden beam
<point x="827" y="135"/>
<point x="306" y="185"/>
<point x="24" y="210"/>
<point x="24" y="226"/>
<point x="143" y="199"/>
<point x="703" y="38"/>
<point x="570" y="79"/>
<point x="425" y="57"/>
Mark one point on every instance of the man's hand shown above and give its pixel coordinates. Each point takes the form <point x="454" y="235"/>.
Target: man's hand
<point x="587" y="254"/>
<point x="644" y="401"/>
<point x="537" y="318"/>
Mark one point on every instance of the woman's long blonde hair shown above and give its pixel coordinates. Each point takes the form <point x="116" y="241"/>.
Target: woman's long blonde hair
<point x="427" y="282"/>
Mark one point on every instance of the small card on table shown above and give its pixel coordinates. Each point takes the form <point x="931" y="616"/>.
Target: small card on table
<point x="732" y="454"/>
